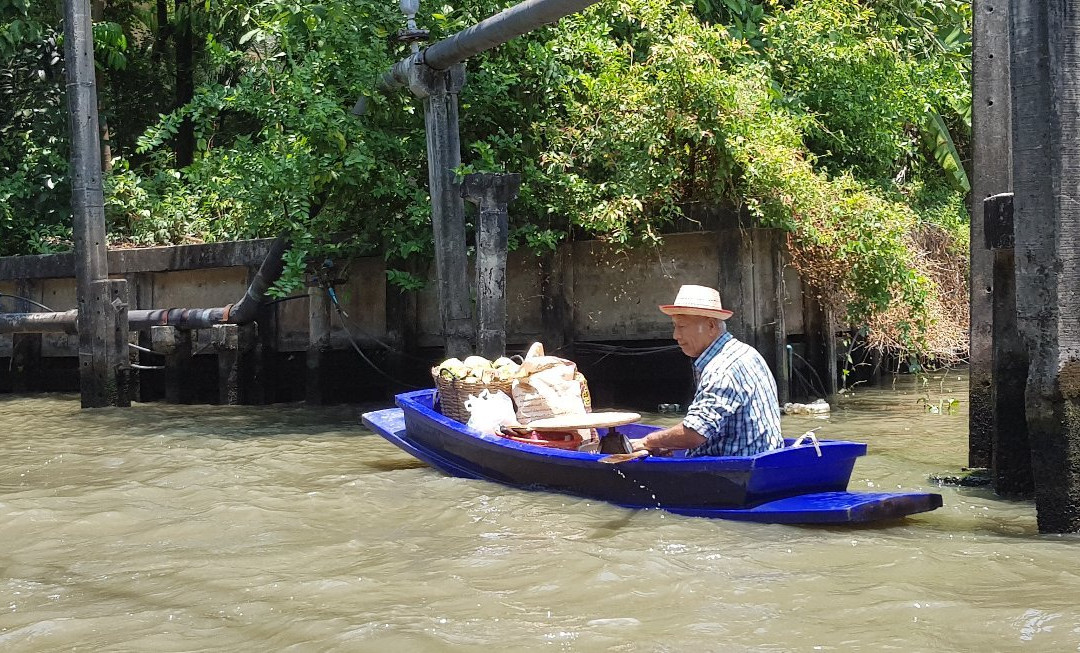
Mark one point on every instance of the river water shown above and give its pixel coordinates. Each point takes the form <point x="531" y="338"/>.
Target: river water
<point x="170" y="528"/>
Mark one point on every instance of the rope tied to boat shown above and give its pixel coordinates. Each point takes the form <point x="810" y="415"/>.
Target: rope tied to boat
<point x="811" y="437"/>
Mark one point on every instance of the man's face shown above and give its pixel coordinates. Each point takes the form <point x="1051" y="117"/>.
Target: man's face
<point x="694" y="333"/>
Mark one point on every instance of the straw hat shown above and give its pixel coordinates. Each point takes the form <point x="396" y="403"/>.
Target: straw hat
<point x="697" y="300"/>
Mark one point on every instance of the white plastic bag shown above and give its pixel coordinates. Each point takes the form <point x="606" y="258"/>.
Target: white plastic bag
<point x="490" y="411"/>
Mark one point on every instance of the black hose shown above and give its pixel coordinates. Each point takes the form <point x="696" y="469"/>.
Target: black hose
<point x="28" y="301"/>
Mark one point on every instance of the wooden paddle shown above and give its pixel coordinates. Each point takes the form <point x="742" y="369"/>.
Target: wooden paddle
<point x="623" y="457"/>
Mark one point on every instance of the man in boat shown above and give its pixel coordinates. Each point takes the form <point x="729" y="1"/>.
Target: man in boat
<point x="735" y="411"/>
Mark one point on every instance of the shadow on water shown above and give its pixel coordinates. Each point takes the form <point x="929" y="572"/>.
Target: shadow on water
<point x="382" y="465"/>
<point x="223" y="422"/>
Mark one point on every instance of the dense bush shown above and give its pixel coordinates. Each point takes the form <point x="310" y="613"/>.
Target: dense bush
<point x="845" y="123"/>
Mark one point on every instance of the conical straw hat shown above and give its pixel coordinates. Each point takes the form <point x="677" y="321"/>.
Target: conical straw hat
<point x="697" y="300"/>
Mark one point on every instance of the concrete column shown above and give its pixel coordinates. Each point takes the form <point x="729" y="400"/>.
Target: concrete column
<point x="492" y="193"/>
<point x="97" y="326"/>
<point x="1011" y="460"/>
<point x="1046" y="179"/>
<point x="104" y="366"/>
<point x="991" y="174"/>
<point x="439" y="91"/>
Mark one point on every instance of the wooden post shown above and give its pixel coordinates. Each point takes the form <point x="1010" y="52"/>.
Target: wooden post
<point x="820" y="346"/>
<point x="777" y="243"/>
<point x="25" y="347"/>
<point x="141" y="294"/>
<point x="991" y="173"/>
<point x="1046" y="167"/>
<point x="175" y="344"/>
<point x="264" y="357"/>
<point x="318" y="344"/>
<point x="557" y="300"/>
<point x="106" y="307"/>
<point x="1011" y="459"/>
<point x="831" y="359"/>
<point x="97" y="370"/>
<point x="439" y="91"/>
<point x="492" y="193"/>
<point x="225" y="339"/>
<point x="118" y="351"/>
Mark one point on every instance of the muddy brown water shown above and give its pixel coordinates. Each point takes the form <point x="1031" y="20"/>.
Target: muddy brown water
<point x="166" y="528"/>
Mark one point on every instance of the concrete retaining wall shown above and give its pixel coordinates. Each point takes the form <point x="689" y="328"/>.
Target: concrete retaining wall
<point x="607" y="295"/>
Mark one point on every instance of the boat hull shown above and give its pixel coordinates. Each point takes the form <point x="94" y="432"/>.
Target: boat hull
<point x="791" y="485"/>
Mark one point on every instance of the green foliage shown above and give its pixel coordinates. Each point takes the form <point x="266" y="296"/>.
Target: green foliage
<point x="846" y="123"/>
<point x="940" y="142"/>
<point x="34" y="187"/>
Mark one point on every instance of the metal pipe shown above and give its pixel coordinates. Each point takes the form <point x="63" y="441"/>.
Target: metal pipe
<point x="60" y="322"/>
<point x="185" y="318"/>
<point x="243" y="312"/>
<point x="488" y="33"/>
<point x="499" y="29"/>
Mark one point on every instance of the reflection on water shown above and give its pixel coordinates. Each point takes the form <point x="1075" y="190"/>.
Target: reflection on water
<point x="255" y="529"/>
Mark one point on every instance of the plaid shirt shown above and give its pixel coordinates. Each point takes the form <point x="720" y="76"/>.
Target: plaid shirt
<point x="735" y="406"/>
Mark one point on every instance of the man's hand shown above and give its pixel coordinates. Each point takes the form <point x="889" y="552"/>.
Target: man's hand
<point x="638" y="445"/>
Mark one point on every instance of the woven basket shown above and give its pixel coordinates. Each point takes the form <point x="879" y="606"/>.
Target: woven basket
<point x="453" y="393"/>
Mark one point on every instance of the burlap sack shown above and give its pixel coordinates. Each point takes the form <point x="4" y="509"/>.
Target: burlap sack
<point x="548" y="386"/>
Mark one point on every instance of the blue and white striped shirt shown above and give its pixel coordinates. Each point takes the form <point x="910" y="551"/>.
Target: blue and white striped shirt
<point x="735" y="406"/>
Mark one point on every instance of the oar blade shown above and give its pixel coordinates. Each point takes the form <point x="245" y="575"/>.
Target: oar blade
<point x="623" y="457"/>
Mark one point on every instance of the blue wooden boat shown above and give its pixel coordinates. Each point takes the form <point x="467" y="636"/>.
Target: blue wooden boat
<point x="790" y="485"/>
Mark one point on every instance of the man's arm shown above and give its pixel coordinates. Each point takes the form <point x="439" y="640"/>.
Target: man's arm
<point x="675" y="437"/>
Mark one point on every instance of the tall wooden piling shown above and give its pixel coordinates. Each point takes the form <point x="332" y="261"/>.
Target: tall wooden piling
<point x="991" y="174"/>
<point x="557" y="300"/>
<point x="102" y="368"/>
<point x="1011" y="460"/>
<point x="318" y="345"/>
<point x="818" y="326"/>
<point x="1046" y="169"/>
<point x="492" y="194"/>
<point x="439" y="91"/>
<point x="225" y="339"/>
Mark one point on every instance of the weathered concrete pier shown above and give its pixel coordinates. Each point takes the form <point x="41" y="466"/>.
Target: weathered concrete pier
<point x="1026" y="254"/>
